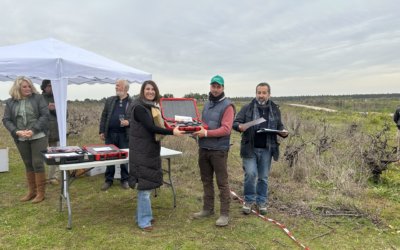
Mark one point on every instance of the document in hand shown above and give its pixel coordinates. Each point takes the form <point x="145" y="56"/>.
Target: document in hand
<point x="267" y="130"/>
<point x="247" y="125"/>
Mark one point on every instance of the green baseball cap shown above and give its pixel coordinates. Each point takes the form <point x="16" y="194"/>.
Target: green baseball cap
<point x="217" y="79"/>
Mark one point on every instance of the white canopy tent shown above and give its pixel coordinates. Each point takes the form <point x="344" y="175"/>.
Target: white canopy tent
<point x="63" y="64"/>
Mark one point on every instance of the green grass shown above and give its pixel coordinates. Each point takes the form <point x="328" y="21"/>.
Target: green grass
<point x="105" y="220"/>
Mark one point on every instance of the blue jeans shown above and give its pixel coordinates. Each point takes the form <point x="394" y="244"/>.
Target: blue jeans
<point x="144" y="215"/>
<point x="256" y="170"/>
<point x="121" y="141"/>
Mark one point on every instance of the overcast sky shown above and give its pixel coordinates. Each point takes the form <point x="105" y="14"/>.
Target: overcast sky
<point x="300" y="47"/>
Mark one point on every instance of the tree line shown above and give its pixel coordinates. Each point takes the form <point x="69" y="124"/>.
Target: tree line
<point x="202" y="97"/>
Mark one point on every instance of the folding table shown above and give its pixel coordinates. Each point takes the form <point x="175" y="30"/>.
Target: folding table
<point x="66" y="178"/>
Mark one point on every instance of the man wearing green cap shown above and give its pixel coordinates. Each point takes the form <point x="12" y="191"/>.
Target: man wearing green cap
<point x="218" y="114"/>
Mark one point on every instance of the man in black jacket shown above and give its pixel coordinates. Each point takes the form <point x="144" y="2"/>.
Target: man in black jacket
<point x="396" y="119"/>
<point x="114" y="129"/>
<point x="52" y="135"/>
<point x="258" y="146"/>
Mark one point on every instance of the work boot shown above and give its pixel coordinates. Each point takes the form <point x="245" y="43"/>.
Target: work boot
<point x="40" y="179"/>
<point x="30" y="176"/>
<point x="222" y="221"/>
<point x="203" y="214"/>
<point x="124" y="185"/>
<point x="148" y="229"/>
<point x="105" y="186"/>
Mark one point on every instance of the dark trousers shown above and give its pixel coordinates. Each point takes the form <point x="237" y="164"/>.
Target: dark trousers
<point x="121" y="141"/>
<point x="31" y="155"/>
<point x="210" y="162"/>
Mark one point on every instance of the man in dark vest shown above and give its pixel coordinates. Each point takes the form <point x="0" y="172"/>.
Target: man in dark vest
<point x="218" y="114"/>
<point x="258" y="146"/>
<point x="114" y="129"/>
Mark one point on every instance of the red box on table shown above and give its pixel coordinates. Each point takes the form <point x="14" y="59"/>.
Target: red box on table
<point x="103" y="152"/>
<point x="181" y="112"/>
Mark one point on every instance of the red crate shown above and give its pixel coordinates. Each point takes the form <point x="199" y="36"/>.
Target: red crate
<point x="172" y="107"/>
<point x="103" y="152"/>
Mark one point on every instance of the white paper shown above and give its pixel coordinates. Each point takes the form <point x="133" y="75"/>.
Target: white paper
<point x="48" y="156"/>
<point x="100" y="149"/>
<point x="181" y="118"/>
<point x="247" y="125"/>
<point x="263" y="130"/>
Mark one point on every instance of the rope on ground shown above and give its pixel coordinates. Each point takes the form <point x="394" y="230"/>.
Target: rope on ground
<point x="280" y="225"/>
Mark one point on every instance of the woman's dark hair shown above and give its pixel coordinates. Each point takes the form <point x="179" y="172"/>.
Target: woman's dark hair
<point x="152" y="83"/>
<point x="45" y="82"/>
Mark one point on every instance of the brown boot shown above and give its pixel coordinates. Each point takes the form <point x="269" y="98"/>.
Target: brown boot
<point x="30" y="176"/>
<point x="40" y="187"/>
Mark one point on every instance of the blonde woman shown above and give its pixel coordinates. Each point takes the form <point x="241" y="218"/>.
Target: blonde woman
<point x="26" y="118"/>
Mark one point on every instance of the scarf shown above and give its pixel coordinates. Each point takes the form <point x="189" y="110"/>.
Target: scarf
<point x="148" y="103"/>
<point x="156" y="115"/>
<point x="214" y="99"/>
<point x="272" y="121"/>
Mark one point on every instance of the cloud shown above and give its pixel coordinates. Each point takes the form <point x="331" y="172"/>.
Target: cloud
<point x="317" y="47"/>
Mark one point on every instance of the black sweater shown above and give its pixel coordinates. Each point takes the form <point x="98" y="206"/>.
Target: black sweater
<point x="142" y="116"/>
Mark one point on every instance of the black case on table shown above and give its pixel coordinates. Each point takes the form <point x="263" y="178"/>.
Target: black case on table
<point x="66" y="155"/>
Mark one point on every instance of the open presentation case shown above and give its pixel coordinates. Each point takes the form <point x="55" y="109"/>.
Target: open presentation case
<point x="103" y="152"/>
<point x="181" y="112"/>
<point x="66" y="155"/>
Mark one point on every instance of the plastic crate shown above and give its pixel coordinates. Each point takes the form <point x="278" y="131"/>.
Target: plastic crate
<point x="103" y="152"/>
<point x="4" y="160"/>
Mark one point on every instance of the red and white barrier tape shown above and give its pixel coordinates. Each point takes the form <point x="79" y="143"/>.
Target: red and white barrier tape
<point x="274" y="222"/>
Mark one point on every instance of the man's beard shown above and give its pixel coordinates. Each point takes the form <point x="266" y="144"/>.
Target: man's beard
<point x="119" y="93"/>
<point x="261" y="101"/>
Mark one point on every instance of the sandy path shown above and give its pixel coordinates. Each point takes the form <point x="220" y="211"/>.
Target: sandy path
<point x="312" y="107"/>
<point x="329" y="110"/>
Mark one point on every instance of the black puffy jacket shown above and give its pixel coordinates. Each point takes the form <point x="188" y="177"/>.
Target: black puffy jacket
<point x="144" y="154"/>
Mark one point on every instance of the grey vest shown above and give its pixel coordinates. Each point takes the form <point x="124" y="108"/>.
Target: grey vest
<point x="212" y="116"/>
